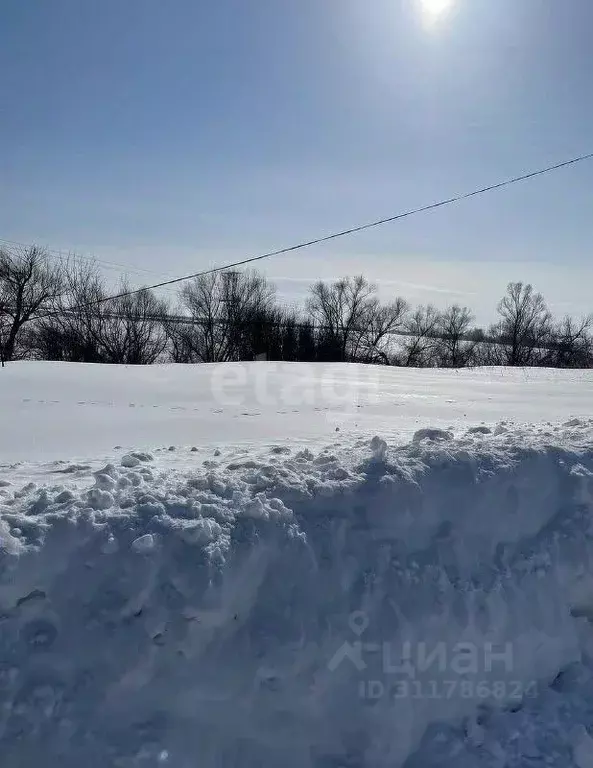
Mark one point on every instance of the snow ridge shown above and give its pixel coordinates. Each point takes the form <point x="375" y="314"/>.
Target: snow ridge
<point x="270" y="610"/>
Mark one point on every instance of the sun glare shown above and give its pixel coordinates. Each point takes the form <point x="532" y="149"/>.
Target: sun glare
<point x="434" y="10"/>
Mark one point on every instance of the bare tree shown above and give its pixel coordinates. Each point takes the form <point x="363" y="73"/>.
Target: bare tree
<point x="28" y="285"/>
<point x="341" y="312"/>
<point x="419" y="344"/>
<point x="306" y="342"/>
<point x="524" y="329"/>
<point x="72" y="332"/>
<point x="289" y="336"/>
<point x="572" y="345"/>
<point x="89" y="327"/>
<point x="222" y="307"/>
<point x="132" y="328"/>
<point x="64" y="312"/>
<point x="352" y="323"/>
<point x="454" y="348"/>
<point x="5" y="323"/>
<point x="382" y="321"/>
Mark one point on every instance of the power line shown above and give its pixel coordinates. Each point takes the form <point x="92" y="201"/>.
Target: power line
<point x="343" y="233"/>
<point x="64" y="256"/>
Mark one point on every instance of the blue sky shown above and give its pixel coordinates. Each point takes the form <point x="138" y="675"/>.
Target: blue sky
<point x="170" y="136"/>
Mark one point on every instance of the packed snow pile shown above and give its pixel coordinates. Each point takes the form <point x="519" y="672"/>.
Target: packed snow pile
<point x="368" y="605"/>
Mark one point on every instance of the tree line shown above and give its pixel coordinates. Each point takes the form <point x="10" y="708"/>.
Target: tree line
<point x="61" y="310"/>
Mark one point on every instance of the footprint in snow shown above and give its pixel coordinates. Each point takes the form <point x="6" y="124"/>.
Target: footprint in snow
<point x="39" y="634"/>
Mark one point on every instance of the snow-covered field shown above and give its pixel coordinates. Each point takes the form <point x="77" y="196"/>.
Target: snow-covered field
<point x="54" y="411"/>
<point x="307" y="566"/>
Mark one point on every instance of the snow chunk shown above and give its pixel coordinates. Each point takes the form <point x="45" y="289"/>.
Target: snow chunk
<point x="144" y="544"/>
<point x="104" y="482"/>
<point x="378" y="448"/>
<point x="142" y="456"/>
<point x="280" y="449"/>
<point x="124" y="482"/>
<point x="110" y="470"/>
<point x="200" y="531"/>
<point x="110" y="547"/>
<point x="481" y="430"/>
<point x="574" y="423"/>
<point x="99" y="499"/>
<point x="129" y="461"/>
<point x="64" y="497"/>
<point x="9" y="544"/>
<point x="148" y="506"/>
<point x="431" y="433"/>
<point x="72" y="469"/>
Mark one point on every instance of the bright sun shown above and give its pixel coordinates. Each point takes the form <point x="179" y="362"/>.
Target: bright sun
<point x="433" y="10"/>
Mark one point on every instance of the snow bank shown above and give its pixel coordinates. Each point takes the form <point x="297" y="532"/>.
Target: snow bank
<point x="378" y="605"/>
